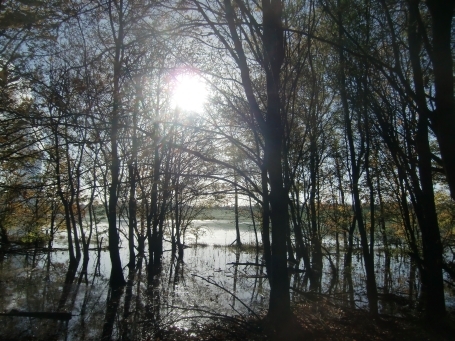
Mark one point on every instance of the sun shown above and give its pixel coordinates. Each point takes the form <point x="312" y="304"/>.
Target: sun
<point x="189" y="93"/>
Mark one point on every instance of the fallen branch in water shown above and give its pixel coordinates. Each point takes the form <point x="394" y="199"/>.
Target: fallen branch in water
<point x="247" y="263"/>
<point x="230" y="293"/>
<point x="254" y="276"/>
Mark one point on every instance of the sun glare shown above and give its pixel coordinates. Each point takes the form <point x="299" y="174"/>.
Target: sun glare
<point x="190" y="93"/>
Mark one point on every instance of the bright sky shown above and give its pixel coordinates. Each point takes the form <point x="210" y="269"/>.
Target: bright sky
<point x="190" y="93"/>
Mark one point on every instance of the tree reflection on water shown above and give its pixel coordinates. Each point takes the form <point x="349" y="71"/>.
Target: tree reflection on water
<point x="38" y="280"/>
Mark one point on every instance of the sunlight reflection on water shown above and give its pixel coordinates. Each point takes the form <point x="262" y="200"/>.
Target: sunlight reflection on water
<point x="38" y="281"/>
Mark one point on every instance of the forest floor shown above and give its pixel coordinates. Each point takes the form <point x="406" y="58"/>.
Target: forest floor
<point x="321" y="322"/>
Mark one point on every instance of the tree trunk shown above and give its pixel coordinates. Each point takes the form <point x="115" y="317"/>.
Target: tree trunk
<point x="253" y="220"/>
<point x="266" y="221"/>
<point x="132" y="208"/>
<point x="71" y="202"/>
<point x="368" y="257"/>
<point x="350" y="243"/>
<point x="152" y="219"/>
<point x="301" y="249"/>
<point x="272" y="39"/>
<point x="117" y="279"/>
<point x="443" y="118"/>
<point x="132" y="203"/>
<point x="432" y="279"/>
<point x="272" y="131"/>
<point x="72" y="257"/>
<point x="355" y="167"/>
<point x="236" y="211"/>
<point x="162" y="214"/>
<point x="316" y="269"/>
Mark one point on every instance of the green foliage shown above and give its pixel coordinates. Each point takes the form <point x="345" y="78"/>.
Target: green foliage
<point x="32" y="237"/>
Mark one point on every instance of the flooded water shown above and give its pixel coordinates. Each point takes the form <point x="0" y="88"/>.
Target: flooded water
<point x="183" y="294"/>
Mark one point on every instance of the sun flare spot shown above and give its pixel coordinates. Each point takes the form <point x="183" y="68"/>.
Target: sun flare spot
<point x="189" y="93"/>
